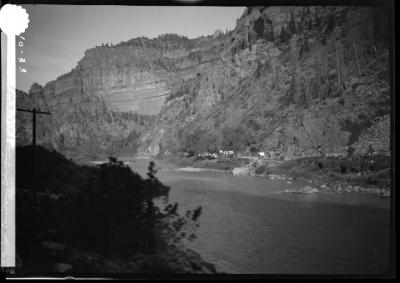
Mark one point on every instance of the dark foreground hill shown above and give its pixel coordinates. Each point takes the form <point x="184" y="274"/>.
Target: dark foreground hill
<point x="98" y="219"/>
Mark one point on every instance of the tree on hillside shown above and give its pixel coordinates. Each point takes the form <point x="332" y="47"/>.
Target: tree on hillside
<point x="235" y="138"/>
<point x="292" y="24"/>
<point x="284" y="35"/>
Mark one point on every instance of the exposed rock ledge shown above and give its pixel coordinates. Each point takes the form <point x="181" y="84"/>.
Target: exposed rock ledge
<point x="241" y="171"/>
<point x="304" y="190"/>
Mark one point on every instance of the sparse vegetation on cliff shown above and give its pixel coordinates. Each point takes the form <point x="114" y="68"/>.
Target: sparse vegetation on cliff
<point x="311" y="77"/>
<point x="165" y="42"/>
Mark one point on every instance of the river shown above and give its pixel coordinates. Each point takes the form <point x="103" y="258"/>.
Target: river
<point x="249" y="226"/>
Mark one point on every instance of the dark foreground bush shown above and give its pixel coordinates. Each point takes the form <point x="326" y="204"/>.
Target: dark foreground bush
<point x="112" y="211"/>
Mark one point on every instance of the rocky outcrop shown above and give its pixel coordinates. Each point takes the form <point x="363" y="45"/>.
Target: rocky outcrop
<point x="375" y="139"/>
<point x="238" y="171"/>
<point x="304" y="190"/>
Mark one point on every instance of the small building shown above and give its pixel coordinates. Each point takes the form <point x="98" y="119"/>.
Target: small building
<point x="261" y="154"/>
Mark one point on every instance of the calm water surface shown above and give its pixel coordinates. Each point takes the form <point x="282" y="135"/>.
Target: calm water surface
<point x="249" y="226"/>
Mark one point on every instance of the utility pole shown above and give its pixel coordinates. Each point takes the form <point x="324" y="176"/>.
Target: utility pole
<point x="34" y="112"/>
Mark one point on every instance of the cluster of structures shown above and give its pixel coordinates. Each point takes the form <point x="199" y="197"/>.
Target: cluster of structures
<point x="221" y="154"/>
<point x="211" y="155"/>
<point x="274" y="154"/>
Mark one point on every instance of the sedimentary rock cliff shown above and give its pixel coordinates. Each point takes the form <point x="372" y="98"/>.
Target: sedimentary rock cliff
<point x="292" y="81"/>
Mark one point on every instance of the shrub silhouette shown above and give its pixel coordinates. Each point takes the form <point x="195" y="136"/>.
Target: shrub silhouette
<point x="114" y="212"/>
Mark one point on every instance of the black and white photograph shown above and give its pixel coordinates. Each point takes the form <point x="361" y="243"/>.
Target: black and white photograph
<point x="198" y="140"/>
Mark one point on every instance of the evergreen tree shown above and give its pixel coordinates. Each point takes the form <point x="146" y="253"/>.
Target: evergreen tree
<point x="292" y="24"/>
<point x="317" y="21"/>
<point x="284" y="35"/>
<point x="331" y="24"/>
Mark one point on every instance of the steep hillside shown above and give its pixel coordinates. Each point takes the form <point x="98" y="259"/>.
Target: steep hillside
<point x="80" y="125"/>
<point x="292" y="81"/>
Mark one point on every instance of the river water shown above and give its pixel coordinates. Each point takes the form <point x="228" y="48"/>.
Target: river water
<point x="249" y="226"/>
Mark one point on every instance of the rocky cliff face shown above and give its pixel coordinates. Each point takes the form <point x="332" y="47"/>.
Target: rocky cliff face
<point x="292" y="81"/>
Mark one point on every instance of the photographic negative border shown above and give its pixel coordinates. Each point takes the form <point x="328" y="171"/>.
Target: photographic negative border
<point x="8" y="153"/>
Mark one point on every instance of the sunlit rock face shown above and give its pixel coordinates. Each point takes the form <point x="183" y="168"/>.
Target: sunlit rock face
<point x="125" y="78"/>
<point x="293" y="81"/>
<point x="134" y="76"/>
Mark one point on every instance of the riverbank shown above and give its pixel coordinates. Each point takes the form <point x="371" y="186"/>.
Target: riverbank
<point x="352" y="174"/>
<point x="226" y="164"/>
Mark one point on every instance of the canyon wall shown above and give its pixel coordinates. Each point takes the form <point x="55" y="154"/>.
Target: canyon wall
<point x="291" y="81"/>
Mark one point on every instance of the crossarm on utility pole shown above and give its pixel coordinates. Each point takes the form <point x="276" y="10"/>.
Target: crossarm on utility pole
<point x="34" y="110"/>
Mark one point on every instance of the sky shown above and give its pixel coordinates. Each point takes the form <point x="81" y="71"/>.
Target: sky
<point x="58" y="35"/>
